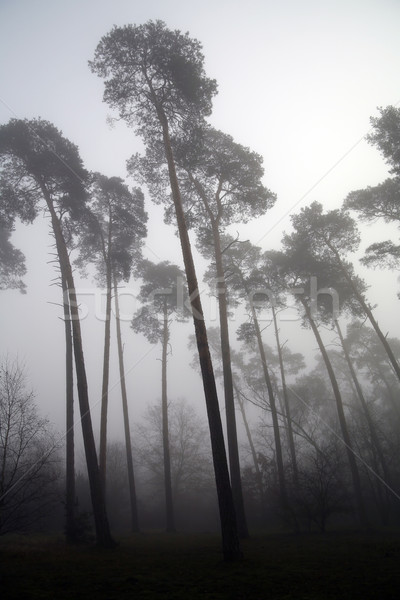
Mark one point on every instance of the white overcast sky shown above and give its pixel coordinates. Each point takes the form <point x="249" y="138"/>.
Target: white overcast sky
<point x="298" y="82"/>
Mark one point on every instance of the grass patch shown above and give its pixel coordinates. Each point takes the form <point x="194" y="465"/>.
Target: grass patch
<point x="190" y="567"/>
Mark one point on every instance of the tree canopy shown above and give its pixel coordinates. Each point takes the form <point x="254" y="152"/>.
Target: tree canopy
<point x="150" y="67"/>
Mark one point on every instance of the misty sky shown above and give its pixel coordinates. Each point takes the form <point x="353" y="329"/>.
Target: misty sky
<point x="298" y="82"/>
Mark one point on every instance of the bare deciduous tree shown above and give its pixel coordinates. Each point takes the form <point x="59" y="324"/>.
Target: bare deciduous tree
<point x="29" y="460"/>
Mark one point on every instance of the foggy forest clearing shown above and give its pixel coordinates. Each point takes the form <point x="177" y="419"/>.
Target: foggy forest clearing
<point x="288" y="461"/>
<point x="348" y="566"/>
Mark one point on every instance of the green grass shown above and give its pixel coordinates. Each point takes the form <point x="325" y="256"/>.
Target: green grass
<point x="190" y="567"/>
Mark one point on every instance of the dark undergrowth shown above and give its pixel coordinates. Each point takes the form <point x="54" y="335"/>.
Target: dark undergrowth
<point x="181" y="566"/>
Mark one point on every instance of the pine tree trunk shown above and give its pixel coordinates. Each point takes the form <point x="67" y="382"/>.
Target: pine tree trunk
<point x="169" y="506"/>
<point x="274" y="413"/>
<point x="128" y="445"/>
<point x="342" y="420"/>
<point x="379" y="333"/>
<point x="292" y="447"/>
<point x="369" y="314"/>
<point x="105" y="383"/>
<point x="233" y="448"/>
<point x="103" y="535"/>
<point x="230" y="538"/>
<point x="251" y="444"/>
<point x="372" y="430"/>
<point x="70" y="526"/>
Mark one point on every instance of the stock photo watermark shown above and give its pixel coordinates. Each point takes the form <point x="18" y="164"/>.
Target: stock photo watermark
<point x="92" y="301"/>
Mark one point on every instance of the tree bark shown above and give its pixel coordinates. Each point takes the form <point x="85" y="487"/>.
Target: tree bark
<point x="230" y="538"/>
<point x="342" y="420"/>
<point x="169" y="506"/>
<point x="128" y="445"/>
<point x="103" y="535"/>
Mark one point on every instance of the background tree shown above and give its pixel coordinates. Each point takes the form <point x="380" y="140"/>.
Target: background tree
<point x="12" y="263"/>
<point x="111" y="239"/>
<point x="223" y="186"/>
<point x="382" y="201"/>
<point x="127" y="429"/>
<point x="38" y="164"/>
<point x="191" y="466"/>
<point x="371" y="361"/>
<point x="163" y="297"/>
<point x="240" y="259"/>
<point x="330" y="237"/>
<point x="374" y="436"/>
<point x="155" y="78"/>
<point x="30" y="466"/>
<point x="301" y="267"/>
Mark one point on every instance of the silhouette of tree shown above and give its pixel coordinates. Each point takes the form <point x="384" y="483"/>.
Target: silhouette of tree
<point x="111" y="238"/>
<point x="154" y="77"/>
<point x="30" y="467"/>
<point x="163" y="297"/>
<point x="38" y="164"/>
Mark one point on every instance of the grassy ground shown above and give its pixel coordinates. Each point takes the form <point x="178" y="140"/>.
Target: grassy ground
<point x="189" y="567"/>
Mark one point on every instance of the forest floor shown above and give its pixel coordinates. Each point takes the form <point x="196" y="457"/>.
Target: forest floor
<point x="189" y="566"/>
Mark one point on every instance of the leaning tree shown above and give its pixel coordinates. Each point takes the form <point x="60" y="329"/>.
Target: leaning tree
<point x="301" y="270"/>
<point x="331" y="236"/>
<point x="221" y="184"/>
<point x="241" y="260"/>
<point x="155" y="78"/>
<point x="39" y="165"/>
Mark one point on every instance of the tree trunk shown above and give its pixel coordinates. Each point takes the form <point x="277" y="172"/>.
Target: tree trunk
<point x="230" y="538"/>
<point x="369" y="314"/>
<point x="169" y="506"/>
<point x="379" y="333"/>
<point x="286" y="404"/>
<point x="274" y="413"/>
<point x="128" y="445"/>
<point x="371" y="426"/>
<point x="342" y="420"/>
<point x="233" y="448"/>
<point x="70" y="526"/>
<point x="251" y="444"/>
<point x="106" y="372"/>
<point x="103" y="535"/>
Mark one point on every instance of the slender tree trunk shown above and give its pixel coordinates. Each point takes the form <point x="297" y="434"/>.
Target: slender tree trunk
<point x="169" y="506"/>
<point x="342" y="420"/>
<point x="251" y="444"/>
<point x="286" y="404"/>
<point x="70" y="526"/>
<point x="274" y="413"/>
<point x="103" y="535"/>
<point x="233" y="447"/>
<point x="393" y="401"/>
<point x="230" y="538"/>
<point x="369" y="314"/>
<point x="372" y="430"/>
<point x="128" y="445"/>
<point x="371" y="426"/>
<point x="106" y="373"/>
<point x="271" y="395"/>
<point x="380" y="335"/>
